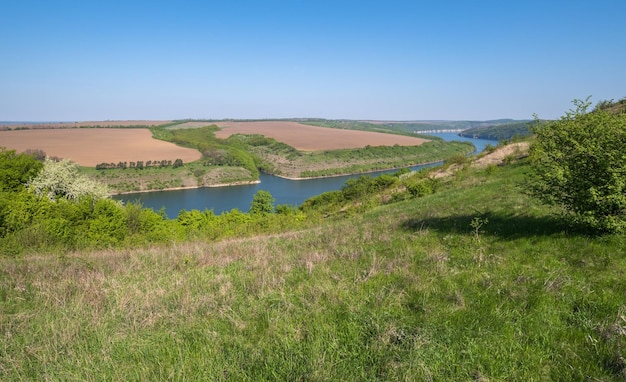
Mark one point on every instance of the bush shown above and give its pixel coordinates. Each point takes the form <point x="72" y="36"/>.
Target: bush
<point x="324" y="201"/>
<point x="262" y="203"/>
<point x="16" y="169"/>
<point x="580" y="164"/>
<point x="108" y="227"/>
<point x="458" y="159"/>
<point x="422" y="187"/>
<point x="60" y="179"/>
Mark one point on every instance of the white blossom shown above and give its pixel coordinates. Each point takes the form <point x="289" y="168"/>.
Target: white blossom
<point x="61" y="179"/>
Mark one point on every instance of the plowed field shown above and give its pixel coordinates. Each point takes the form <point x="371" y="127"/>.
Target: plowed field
<point x="88" y="147"/>
<point x="315" y="138"/>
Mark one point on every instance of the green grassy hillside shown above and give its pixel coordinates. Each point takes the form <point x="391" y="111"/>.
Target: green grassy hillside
<point x="476" y="281"/>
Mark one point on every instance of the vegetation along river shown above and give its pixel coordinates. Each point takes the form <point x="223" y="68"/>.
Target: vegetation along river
<point x="284" y="191"/>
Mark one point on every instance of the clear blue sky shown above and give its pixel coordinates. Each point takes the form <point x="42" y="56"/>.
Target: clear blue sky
<point x="385" y="60"/>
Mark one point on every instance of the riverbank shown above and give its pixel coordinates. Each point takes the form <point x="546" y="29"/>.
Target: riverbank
<point x="190" y="187"/>
<point x="143" y="179"/>
<point x="243" y="183"/>
<point x="358" y="173"/>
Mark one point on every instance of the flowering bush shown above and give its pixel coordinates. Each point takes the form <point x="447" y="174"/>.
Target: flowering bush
<point x="60" y="179"/>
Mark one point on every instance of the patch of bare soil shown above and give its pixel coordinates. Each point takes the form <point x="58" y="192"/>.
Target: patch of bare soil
<point x="513" y="150"/>
<point x="499" y="156"/>
<point x="89" y="147"/>
<point x="315" y="138"/>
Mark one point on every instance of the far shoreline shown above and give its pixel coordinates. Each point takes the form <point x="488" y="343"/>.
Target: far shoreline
<point x="251" y="182"/>
<point x="242" y="183"/>
<point x="358" y="173"/>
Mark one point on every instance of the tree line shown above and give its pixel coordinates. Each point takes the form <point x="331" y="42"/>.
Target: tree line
<point x="140" y="164"/>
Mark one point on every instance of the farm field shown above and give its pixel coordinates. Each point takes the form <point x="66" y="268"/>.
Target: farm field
<point x="88" y="147"/>
<point x="67" y="125"/>
<point x="322" y="151"/>
<point x="315" y="138"/>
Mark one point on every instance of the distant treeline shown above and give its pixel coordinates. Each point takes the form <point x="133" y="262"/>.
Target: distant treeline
<point x="499" y="132"/>
<point x="140" y="164"/>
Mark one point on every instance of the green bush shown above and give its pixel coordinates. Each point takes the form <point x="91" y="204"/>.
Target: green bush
<point x="580" y="164"/>
<point x="16" y="169"/>
<point x="108" y="226"/>
<point x="422" y="187"/>
<point x="262" y="203"/>
<point x="458" y="159"/>
<point x="324" y="201"/>
<point x="365" y="185"/>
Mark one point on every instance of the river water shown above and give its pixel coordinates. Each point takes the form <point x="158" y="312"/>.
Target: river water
<point x="291" y="192"/>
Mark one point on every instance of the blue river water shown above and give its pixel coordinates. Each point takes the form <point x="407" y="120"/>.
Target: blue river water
<point x="284" y="191"/>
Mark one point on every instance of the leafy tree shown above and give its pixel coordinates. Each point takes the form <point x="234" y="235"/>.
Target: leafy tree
<point x="262" y="203"/>
<point x="580" y="164"/>
<point x="16" y="169"/>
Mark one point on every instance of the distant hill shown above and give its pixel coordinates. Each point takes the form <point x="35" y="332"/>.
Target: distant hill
<point x="507" y="129"/>
<point x="498" y="129"/>
<point x="429" y="126"/>
<point x="499" y="132"/>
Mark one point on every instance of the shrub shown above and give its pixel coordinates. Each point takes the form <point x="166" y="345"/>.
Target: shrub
<point x="458" y="159"/>
<point x="324" y="201"/>
<point x="262" y="203"/>
<point x="62" y="180"/>
<point x="580" y="164"/>
<point x="422" y="187"/>
<point x="108" y="227"/>
<point x="16" y="169"/>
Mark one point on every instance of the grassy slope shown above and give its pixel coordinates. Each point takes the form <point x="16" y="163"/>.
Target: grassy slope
<point x="476" y="282"/>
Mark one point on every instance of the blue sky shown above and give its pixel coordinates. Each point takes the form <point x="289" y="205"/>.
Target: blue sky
<point x="384" y="60"/>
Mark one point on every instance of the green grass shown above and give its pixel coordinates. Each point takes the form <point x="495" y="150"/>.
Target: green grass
<point x="474" y="282"/>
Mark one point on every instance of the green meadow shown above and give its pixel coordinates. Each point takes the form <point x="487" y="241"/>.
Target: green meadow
<point x="466" y="278"/>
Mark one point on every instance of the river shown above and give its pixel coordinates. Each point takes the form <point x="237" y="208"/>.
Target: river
<point x="284" y="191"/>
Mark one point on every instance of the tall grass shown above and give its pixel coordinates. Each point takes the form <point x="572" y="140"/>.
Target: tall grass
<point x="475" y="282"/>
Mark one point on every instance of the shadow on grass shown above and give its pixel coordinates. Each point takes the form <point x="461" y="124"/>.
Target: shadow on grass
<point x="499" y="224"/>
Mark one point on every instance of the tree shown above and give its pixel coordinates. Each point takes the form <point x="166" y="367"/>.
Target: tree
<point x="16" y="169"/>
<point x="262" y="203"/>
<point x="62" y="180"/>
<point x="580" y="164"/>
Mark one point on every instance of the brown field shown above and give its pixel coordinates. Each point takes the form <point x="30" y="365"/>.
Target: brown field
<point x="67" y="125"/>
<point x="314" y="138"/>
<point x="88" y="147"/>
